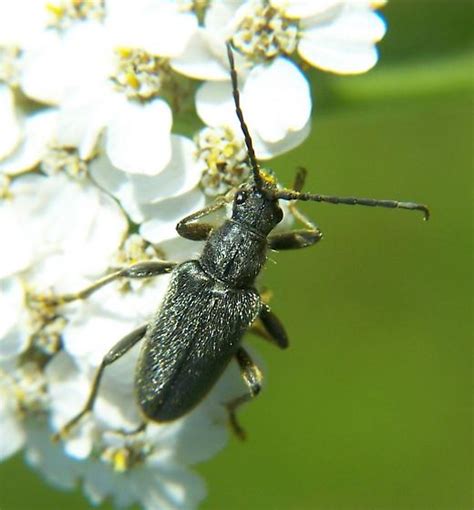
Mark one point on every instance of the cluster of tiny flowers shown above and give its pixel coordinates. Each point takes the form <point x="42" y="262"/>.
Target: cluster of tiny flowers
<point x="94" y="178"/>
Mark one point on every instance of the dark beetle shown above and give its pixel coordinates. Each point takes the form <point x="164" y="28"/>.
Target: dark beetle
<point x="212" y="302"/>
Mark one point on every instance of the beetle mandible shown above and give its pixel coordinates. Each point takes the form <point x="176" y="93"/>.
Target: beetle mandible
<point x="211" y="302"/>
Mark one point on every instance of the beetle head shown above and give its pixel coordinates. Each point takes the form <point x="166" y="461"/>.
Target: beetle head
<point x="255" y="205"/>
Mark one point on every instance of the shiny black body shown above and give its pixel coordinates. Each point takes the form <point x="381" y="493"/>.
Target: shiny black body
<point x="209" y="305"/>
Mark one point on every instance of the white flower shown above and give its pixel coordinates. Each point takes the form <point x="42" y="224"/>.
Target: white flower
<point x="138" y="193"/>
<point x="60" y="229"/>
<point x="111" y="75"/>
<point x="14" y="337"/>
<point x="336" y="35"/>
<point x="37" y="132"/>
<point x="277" y="124"/>
<point x="10" y="131"/>
<point x="22" y="395"/>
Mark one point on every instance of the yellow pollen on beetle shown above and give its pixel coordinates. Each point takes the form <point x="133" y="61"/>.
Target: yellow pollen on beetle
<point x="268" y="178"/>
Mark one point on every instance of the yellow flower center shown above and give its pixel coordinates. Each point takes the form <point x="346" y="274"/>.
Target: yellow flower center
<point x="265" y="32"/>
<point x="64" y="159"/>
<point x="139" y="74"/>
<point x="66" y="12"/>
<point x="225" y="159"/>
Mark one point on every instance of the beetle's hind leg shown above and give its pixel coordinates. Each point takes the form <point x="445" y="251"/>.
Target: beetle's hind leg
<point x="253" y="378"/>
<point x="117" y="351"/>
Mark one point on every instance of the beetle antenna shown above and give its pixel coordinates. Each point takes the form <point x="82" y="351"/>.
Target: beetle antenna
<point x="370" y="202"/>
<point x="248" y="139"/>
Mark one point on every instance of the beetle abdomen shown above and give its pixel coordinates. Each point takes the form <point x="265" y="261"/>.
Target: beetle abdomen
<point x="190" y="341"/>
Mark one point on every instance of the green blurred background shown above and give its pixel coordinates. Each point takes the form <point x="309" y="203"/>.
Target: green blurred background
<point x="370" y="408"/>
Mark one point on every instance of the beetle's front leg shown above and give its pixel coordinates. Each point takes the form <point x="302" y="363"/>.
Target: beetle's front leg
<point x="300" y="238"/>
<point x="253" y="378"/>
<point x="117" y="351"/>
<point x="187" y="227"/>
<point x="140" y="270"/>
<point x="294" y="239"/>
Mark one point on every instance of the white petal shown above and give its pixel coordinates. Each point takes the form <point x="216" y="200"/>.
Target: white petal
<point x="171" y="487"/>
<point x="304" y="8"/>
<point x="38" y="132"/>
<point x="55" y="217"/>
<point x="18" y="247"/>
<point x="94" y="330"/>
<point x="86" y="236"/>
<point x="83" y="116"/>
<point x="9" y="127"/>
<point x="43" y="77"/>
<point x="202" y="59"/>
<point x="215" y="106"/>
<point x="11" y="432"/>
<point x="56" y="64"/>
<point x="165" y="215"/>
<point x="179" y="176"/>
<point x="345" y="45"/>
<point x="106" y="175"/>
<point x="353" y="24"/>
<point x="138" y="136"/>
<point x="267" y="150"/>
<point x="117" y="183"/>
<point x="157" y="27"/>
<point x="88" y="57"/>
<point x="68" y="388"/>
<point x="16" y="27"/>
<point x="220" y="18"/>
<point x="50" y="459"/>
<point x="276" y="100"/>
<point x="13" y="339"/>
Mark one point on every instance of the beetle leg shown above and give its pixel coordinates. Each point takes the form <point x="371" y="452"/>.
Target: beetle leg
<point x="300" y="238"/>
<point x="252" y="377"/>
<point x="273" y="327"/>
<point x="300" y="178"/>
<point x="199" y="231"/>
<point x="140" y="270"/>
<point x="134" y="431"/>
<point x="117" y="351"/>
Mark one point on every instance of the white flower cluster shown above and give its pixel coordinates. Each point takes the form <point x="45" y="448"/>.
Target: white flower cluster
<point x="93" y="178"/>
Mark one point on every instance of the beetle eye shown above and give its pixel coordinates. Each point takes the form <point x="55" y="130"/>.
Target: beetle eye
<point x="240" y="197"/>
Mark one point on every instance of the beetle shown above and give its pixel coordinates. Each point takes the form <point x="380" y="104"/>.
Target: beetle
<point x="212" y="301"/>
